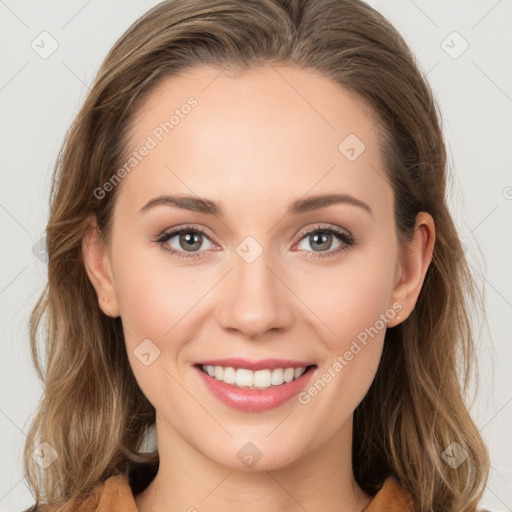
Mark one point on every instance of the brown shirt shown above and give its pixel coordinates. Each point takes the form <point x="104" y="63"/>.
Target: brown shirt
<point x="115" y="495"/>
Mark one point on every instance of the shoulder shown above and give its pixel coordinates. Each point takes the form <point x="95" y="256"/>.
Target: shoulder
<point x="104" y="492"/>
<point x="115" y="491"/>
<point x="391" y="496"/>
<point x="116" y="488"/>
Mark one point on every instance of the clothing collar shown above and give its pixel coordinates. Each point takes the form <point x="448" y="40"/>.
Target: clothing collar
<point x="116" y="494"/>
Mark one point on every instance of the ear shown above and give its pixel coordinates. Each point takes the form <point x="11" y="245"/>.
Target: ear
<point x="97" y="265"/>
<point x="414" y="260"/>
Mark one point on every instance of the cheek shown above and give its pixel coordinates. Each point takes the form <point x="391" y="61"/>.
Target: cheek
<point x="159" y="302"/>
<point x="152" y="294"/>
<point x="352" y="303"/>
<point x="349" y="300"/>
<point x="153" y="303"/>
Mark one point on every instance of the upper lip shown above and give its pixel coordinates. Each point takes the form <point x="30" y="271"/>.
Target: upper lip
<point x="262" y="364"/>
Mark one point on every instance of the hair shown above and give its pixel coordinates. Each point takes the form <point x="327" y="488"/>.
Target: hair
<point x="92" y="411"/>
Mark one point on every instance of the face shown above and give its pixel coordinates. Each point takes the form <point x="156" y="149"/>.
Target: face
<point x="254" y="265"/>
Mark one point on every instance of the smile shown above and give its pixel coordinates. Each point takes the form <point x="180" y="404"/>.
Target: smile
<point x="254" y="390"/>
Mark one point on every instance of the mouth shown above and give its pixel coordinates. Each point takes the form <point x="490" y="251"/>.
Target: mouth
<point x="245" y="378"/>
<point x="243" y="387"/>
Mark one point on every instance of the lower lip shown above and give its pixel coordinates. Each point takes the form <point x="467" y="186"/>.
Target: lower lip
<point x="255" y="400"/>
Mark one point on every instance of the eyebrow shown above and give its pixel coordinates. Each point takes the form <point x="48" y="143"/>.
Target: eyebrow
<point x="303" y="205"/>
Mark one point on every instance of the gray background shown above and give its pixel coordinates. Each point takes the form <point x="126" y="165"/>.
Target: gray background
<point x="40" y="96"/>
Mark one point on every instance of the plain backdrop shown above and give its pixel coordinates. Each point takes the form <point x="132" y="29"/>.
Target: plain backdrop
<point x="465" y="47"/>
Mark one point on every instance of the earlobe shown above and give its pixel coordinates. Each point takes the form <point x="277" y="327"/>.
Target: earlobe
<point x="415" y="259"/>
<point x="97" y="265"/>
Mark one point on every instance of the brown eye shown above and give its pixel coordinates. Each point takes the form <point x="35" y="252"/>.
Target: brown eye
<point x="328" y="240"/>
<point x="185" y="240"/>
<point x="190" y="241"/>
<point x="320" y="241"/>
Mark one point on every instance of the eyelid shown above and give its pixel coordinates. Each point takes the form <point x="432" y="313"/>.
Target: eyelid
<point x="186" y="227"/>
<point x="325" y="227"/>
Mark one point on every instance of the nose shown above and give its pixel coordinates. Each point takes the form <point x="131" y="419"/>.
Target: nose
<point x="254" y="300"/>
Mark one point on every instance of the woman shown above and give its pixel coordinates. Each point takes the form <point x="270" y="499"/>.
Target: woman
<point x="250" y="250"/>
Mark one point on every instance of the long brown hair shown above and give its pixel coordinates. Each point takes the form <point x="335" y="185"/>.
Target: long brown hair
<point x="92" y="412"/>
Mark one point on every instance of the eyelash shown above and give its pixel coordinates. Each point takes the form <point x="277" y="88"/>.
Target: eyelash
<point x="347" y="240"/>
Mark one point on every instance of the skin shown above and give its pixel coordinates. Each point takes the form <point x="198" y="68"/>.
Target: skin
<point x="254" y="144"/>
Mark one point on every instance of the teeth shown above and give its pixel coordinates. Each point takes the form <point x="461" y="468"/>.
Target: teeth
<point x="289" y="374"/>
<point x="277" y="377"/>
<point x="243" y="377"/>
<point x="229" y="376"/>
<point x="298" y="372"/>
<point x="260" y="379"/>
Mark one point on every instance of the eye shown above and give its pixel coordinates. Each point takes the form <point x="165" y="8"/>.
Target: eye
<point x="185" y="240"/>
<point x="325" y="239"/>
<point x="189" y="242"/>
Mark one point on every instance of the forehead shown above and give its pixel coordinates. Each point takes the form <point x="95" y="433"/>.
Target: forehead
<point x="213" y="132"/>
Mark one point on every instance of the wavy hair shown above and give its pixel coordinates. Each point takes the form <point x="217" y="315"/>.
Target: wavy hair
<point x="92" y="411"/>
